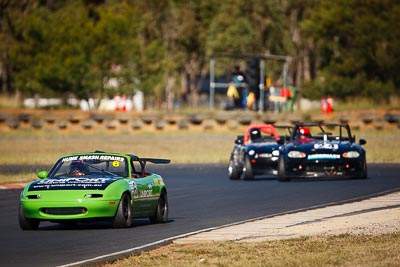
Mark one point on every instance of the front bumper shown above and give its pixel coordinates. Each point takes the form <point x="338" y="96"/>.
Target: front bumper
<point x="266" y="166"/>
<point x="324" y="168"/>
<point x="69" y="210"/>
<point x="72" y="205"/>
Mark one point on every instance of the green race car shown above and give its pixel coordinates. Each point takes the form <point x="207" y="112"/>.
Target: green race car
<point x="95" y="186"/>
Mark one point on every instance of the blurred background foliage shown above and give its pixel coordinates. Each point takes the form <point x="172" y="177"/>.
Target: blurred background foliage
<point x="344" y="48"/>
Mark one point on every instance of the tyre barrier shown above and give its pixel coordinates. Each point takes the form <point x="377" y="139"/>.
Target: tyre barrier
<point x="231" y="121"/>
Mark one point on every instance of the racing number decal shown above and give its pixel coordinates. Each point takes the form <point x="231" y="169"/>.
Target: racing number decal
<point x="326" y="146"/>
<point x="115" y="164"/>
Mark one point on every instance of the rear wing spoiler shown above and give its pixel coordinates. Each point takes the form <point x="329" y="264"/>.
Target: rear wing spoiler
<point x="143" y="161"/>
<point x="156" y="161"/>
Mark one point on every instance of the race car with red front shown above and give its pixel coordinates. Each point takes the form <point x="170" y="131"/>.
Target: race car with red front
<point x="257" y="151"/>
<point x="91" y="186"/>
<point x="318" y="149"/>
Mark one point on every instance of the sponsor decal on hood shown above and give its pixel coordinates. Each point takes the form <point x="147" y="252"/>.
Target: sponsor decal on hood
<point x="73" y="183"/>
<point x="323" y="156"/>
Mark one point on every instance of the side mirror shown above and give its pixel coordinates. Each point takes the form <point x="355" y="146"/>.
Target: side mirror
<point x="239" y="140"/>
<point x="363" y="141"/>
<point x="42" y="174"/>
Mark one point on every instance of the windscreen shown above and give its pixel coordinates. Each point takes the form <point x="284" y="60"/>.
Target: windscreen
<point x="90" y="165"/>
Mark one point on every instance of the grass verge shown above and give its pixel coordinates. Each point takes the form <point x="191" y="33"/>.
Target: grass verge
<point x="342" y="250"/>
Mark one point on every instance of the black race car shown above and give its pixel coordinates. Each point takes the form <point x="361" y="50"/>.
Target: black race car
<point x="319" y="149"/>
<point x="257" y="151"/>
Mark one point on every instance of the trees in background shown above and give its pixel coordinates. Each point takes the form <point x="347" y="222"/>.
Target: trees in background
<point x="357" y="44"/>
<point x="342" y="48"/>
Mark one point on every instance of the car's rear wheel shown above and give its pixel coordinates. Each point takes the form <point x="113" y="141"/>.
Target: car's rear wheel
<point x="26" y="223"/>
<point x="162" y="209"/>
<point x="234" y="173"/>
<point x="248" y="170"/>
<point x="123" y="217"/>
<point x="282" y="176"/>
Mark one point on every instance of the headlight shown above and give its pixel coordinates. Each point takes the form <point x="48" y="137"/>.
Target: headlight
<point x="251" y="152"/>
<point x="296" y="154"/>
<point x="351" y="154"/>
<point x="275" y="153"/>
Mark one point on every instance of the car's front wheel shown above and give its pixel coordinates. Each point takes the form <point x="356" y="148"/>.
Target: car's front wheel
<point x="26" y="223"/>
<point x="162" y="209"/>
<point x="248" y="170"/>
<point x="234" y="173"/>
<point x="282" y="170"/>
<point x="123" y="217"/>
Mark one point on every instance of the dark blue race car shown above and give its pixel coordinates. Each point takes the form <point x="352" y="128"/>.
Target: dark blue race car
<point x="320" y="149"/>
<point x="257" y="151"/>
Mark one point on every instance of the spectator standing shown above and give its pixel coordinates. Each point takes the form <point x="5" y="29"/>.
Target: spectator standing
<point x="117" y="101"/>
<point x="329" y="102"/>
<point x="239" y="80"/>
<point x="233" y="95"/>
<point x="324" y="106"/>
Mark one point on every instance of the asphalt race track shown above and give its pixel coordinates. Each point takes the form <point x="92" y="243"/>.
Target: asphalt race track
<point x="200" y="197"/>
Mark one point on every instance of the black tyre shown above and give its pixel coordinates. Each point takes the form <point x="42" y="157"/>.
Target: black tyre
<point x="282" y="170"/>
<point x="162" y="209"/>
<point x="234" y="173"/>
<point x="248" y="170"/>
<point x="123" y="217"/>
<point x="25" y="223"/>
<point x="364" y="172"/>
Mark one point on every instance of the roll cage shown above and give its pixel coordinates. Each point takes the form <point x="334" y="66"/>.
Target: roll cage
<point x="267" y="129"/>
<point x="342" y="133"/>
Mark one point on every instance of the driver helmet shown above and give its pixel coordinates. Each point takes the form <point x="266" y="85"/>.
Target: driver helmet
<point x="77" y="168"/>
<point x="255" y="134"/>
<point x="304" y="132"/>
